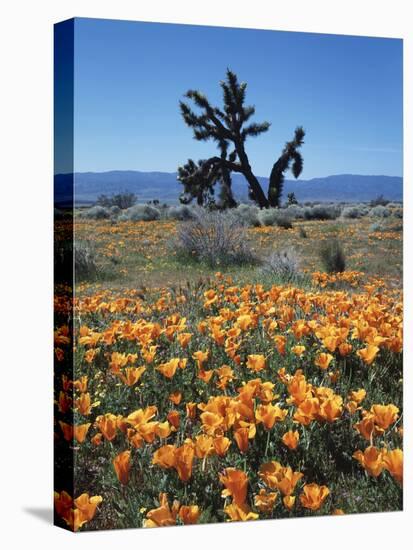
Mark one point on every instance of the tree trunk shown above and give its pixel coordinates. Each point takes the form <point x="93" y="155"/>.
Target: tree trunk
<point x="256" y="189"/>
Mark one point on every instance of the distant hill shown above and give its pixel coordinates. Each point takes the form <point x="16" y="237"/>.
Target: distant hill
<point x="165" y="187"/>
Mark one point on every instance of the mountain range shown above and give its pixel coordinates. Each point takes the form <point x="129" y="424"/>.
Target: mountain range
<point x="164" y="187"/>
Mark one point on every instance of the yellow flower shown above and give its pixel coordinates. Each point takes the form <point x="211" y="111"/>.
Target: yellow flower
<point x="241" y="436"/>
<point x="204" y="446"/>
<point x="313" y="496"/>
<point x="169" y="368"/>
<point x="290" y="439"/>
<point x="165" y="456"/>
<point x="236" y="484"/>
<point x="174" y="418"/>
<point x="221" y="445"/>
<point x="240" y="512"/>
<point x="83" y="404"/>
<point x="122" y="466"/>
<point x="323" y="360"/>
<point x="184" y="456"/>
<point x="107" y="424"/>
<point x="269" y="415"/>
<point x="184" y="338"/>
<point x="132" y="375"/>
<point x="175" y="397"/>
<point x="371" y="460"/>
<point x="164" y="515"/>
<point x="256" y="362"/>
<point x="366" y="426"/>
<point x="86" y="507"/>
<point x="81" y="383"/>
<point x="64" y="402"/>
<point x="80" y="431"/>
<point x="289" y="502"/>
<point x="201" y="357"/>
<point x="189" y="514"/>
<point x="368" y="354"/>
<point x="357" y="396"/>
<point x="384" y="415"/>
<point x="279" y="477"/>
<point x="265" y="501"/>
<point x="298" y="350"/>
<point x="393" y="462"/>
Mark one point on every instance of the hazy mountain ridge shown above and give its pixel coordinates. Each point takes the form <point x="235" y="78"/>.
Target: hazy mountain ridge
<point x="164" y="187"/>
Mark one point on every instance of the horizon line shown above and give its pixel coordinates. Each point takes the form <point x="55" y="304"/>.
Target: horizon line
<point x="266" y="177"/>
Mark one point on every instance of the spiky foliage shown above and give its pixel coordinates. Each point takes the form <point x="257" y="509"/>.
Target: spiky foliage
<point x="290" y="157"/>
<point x="199" y="180"/>
<point x="292" y="199"/>
<point x="229" y="127"/>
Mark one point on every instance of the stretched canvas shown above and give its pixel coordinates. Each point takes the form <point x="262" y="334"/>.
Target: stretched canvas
<point x="228" y="274"/>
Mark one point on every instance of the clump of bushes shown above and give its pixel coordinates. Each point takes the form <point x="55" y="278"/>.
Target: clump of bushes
<point x="140" y="212"/>
<point x="322" y="212"/>
<point x="295" y="212"/>
<point x="379" y="201"/>
<point x="275" y="216"/>
<point x="282" y="265"/>
<point x="354" y="212"/>
<point x="247" y="214"/>
<point x="379" y="212"/>
<point x="96" y="213"/>
<point x="332" y="255"/>
<point x="216" y="238"/>
<point x="181" y="213"/>
<point x="121" y="200"/>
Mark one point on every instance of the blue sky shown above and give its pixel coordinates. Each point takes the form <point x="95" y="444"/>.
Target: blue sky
<point x="129" y="77"/>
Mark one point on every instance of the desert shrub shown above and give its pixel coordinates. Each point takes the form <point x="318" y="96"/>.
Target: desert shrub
<point x="181" y="213"/>
<point x="268" y="216"/>
<point x="295" y="212"/>
<point x="332" y="255"/>
<point x="379" y="201"/>
<point x="282" y="265"/>
<point x="121" y="200"/>
<point x="302" y="232"/>
<point x="379" y="212"/>
<point x="284" y="221"/>
<point x="275" y="216"/>
<point x="217" y="238"/>
<point x="96" y="213"/>
<point x="114" y="210"/>
<point x="322" y="212"/>
<point x="248" y="214"/>
<point x="397" y="213"/>
<point x="354" y="212"/>
<point x="140" y="212"/>
<point x="85" y="261"/>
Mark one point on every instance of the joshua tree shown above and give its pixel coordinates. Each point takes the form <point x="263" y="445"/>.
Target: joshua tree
<point x="229" y="129"/>
<point x="292" y="199"/>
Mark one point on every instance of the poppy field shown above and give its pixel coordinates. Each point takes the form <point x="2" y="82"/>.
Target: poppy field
<point x="186" y="394"/>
